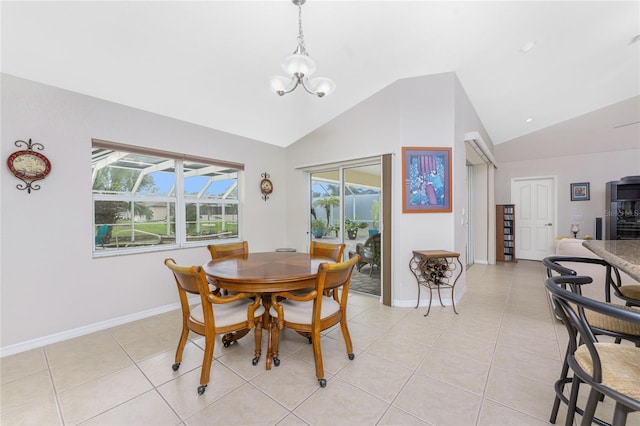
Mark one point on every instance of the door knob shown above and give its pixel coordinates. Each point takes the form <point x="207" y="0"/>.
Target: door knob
<point x="548" y="224"/>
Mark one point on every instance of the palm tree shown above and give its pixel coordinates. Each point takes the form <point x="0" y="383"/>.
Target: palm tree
<point x="112" y="180"/>
<point x="327" y="203"/>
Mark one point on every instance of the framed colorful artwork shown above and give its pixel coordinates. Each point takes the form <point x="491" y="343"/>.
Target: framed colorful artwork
<point x="426" y="177"/>
<point x="580" y="191"/>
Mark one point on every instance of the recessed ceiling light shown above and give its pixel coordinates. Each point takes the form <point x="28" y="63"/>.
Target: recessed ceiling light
<point x="527" y="47"/>
<point x="528" y="120"/>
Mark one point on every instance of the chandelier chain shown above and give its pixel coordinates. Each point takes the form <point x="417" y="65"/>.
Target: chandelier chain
<point x="301" y="46"/>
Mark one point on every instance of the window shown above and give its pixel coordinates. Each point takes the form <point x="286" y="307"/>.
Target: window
<point x="145" y="200"/>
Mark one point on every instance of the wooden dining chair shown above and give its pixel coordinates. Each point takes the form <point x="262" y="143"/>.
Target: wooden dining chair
<point x="329" y="250"/>
<point x="218" y="251"/>
<point x="232" y="316"/>
<point x="310" y="313"/>
<point x="612" y="370"/>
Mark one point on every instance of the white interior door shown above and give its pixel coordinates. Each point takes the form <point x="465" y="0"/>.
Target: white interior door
<point x="535" y="200"/>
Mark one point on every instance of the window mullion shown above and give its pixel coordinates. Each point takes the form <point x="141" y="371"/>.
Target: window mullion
<point x="181" y="221"/>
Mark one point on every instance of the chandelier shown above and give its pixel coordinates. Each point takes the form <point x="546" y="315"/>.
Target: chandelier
<point x="300" y="67"/>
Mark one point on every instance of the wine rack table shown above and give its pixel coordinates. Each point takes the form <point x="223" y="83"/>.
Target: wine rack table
<point x="436" y="269"/>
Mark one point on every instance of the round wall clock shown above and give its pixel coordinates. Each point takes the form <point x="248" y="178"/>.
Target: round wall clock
<point x="29" y="165"/>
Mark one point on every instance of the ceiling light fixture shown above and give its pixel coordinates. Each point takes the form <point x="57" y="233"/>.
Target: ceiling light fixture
<point x="528" y="120"/>
<point x="300" y="67"/>
<point x="527" y="47"/>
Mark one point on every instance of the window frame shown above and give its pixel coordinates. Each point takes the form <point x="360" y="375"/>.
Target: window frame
<point x="178" y="198"/>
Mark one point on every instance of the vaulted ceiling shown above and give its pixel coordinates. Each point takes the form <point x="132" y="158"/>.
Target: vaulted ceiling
<point x="208" y="62"/>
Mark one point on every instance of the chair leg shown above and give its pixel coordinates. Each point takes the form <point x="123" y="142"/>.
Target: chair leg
<point x="590" y="409"/>
<point x="573" y="401"/>
<point x="209" y="344"/>
<point x="347" y="337"/>
<point x="181" y="344"/>
<point x="620" y="415"/>
<point x="559" y="387"/>
<point x="317" y="356"/>
<point x="274" y="338"/>
<point x="257" y="332"/>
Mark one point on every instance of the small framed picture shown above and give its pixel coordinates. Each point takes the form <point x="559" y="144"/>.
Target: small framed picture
<point x="426" y="175"/>
<point x="580" y="191"/>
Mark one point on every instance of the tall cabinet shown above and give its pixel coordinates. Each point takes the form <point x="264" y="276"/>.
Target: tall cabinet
<point x="622" y="221"/>
<point x="506" y="233"/>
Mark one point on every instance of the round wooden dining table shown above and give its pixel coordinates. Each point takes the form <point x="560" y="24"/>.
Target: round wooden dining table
<point x="265" y="273"/>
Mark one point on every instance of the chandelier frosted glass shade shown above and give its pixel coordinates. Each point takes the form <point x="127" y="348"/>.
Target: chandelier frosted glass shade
<point x="319" y="87"/>
<point x="280" y="84"/>
<point x="299" y="64"/>
<point x="322" y="85"/>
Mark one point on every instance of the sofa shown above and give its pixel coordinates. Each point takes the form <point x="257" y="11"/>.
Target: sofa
<point x="595" y="290"/>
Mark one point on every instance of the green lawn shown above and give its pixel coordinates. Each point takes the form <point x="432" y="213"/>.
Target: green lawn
<point x="160" y="228"/>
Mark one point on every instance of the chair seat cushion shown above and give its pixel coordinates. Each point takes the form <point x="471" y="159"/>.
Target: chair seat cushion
<point x="620" y="366"/>
<point x="607" y="322"/>
<point x="631" y="291"/>
<point x="227" y="313"/>
<point x="300" y="312"/>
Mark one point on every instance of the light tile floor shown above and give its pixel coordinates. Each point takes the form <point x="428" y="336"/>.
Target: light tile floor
<point x="493" y="364"/>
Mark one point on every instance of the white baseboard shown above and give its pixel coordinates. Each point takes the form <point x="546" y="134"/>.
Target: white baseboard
<point x="424" y="298"/>
<point x="481" y="261"/>
<point x="81" y="331"/>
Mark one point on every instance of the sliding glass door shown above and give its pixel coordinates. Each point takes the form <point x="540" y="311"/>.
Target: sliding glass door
<point x="326" y="202"/>
<point x="345" y="207"/>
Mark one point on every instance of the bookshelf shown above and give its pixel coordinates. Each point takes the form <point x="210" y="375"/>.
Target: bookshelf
<point x="505" y="233"/>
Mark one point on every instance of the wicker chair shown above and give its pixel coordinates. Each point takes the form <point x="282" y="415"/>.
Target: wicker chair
<point x="611" y="369"/>
<point x="369" y="253"/>
<point x="600" y="324"/>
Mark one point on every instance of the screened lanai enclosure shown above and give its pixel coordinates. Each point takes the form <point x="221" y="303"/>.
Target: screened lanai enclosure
<point x="345" y="207"/>
<point x="143" y="200"/>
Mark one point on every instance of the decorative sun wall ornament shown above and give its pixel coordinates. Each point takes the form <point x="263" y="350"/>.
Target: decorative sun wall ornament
<point x="266" y="186"/>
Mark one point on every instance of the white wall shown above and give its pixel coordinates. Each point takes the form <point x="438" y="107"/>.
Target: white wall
<point x="595" y="168"/>
<point x="414" y="112"/>
<point x="50" y="283"/>
<point x="598" y="147"/>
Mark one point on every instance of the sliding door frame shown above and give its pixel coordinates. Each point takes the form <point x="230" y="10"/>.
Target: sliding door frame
<point x="385" y="162"/>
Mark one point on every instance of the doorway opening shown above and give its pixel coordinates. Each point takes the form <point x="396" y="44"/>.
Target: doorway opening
<point x="479" y="215"/>
<point x="346" y="208"/>
<point x="536" y="215"/>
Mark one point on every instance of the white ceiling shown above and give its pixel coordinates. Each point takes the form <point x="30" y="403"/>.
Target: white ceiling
<point x="208" y="62"/>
